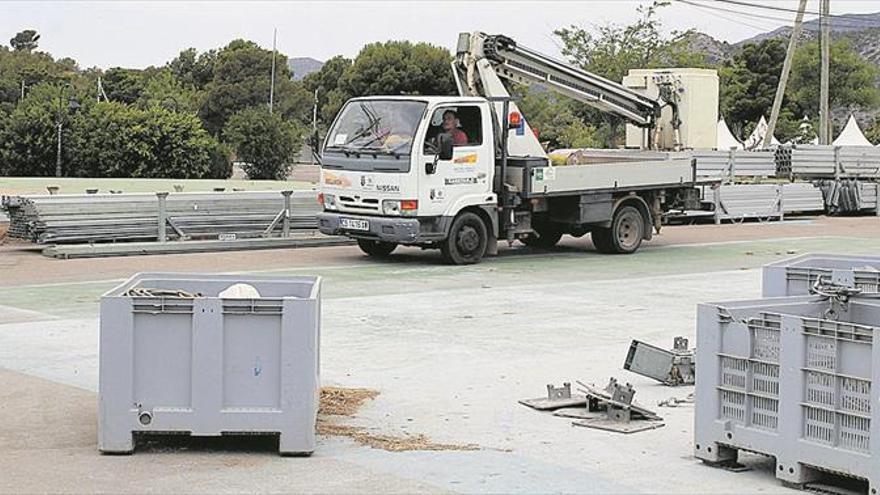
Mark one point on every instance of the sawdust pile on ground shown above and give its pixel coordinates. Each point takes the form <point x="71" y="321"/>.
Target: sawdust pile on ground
<point x="387" y="442"/>
<point x="345" y="402"/>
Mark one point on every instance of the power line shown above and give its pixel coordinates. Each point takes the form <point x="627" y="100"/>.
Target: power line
<point x="712" y="11"/>
<point x="780" y="9"/>
<point x="737" y="12"/>
<point x="842" y="20"/>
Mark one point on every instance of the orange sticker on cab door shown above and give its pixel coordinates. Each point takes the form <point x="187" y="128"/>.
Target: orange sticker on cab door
<point x="469" y="158"/>
<point x="332" y="179"/>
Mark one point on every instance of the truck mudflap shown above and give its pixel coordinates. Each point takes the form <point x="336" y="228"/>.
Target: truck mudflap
<point x="388" y="229"/>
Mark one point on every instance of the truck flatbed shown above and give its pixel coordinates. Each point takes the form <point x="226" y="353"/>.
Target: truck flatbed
<point x="570" y="179"/>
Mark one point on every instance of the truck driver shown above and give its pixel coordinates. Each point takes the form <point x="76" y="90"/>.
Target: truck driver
<point x="451" y="125"/>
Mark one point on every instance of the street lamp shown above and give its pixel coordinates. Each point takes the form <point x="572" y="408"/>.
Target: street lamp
<point x="72" y="104"/>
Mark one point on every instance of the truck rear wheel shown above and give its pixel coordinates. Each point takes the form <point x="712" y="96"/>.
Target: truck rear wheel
<point x="625" y="235"/>
<point x="542" y="238"/>
<point x="378" y="249"/>
<point x="467" y="240"/>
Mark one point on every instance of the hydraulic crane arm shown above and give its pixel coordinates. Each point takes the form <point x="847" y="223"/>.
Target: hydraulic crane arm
<point x="482" y="60"/>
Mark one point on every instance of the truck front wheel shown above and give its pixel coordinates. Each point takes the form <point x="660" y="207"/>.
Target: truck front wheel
<point x="377" y="249"/>
<point x="625" y="235"/>
<point x="467" y="240"/>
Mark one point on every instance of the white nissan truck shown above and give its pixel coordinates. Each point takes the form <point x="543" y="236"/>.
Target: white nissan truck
<point x="460" y="173"/>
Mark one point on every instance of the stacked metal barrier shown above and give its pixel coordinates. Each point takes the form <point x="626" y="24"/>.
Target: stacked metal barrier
<point x="762" y="201"/>
<point x="69" y="219"/>
<point x="833" y="179"/>
<point x="835" y="162"/>
<point x="849" y="195"/>
<point x="794" y="377"/>
<point x="735" y="163"/>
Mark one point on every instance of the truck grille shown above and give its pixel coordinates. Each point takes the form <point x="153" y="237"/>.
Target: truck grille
<point x="356" y="203"/>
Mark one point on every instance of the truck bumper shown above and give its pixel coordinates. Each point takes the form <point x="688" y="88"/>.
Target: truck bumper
<point x="388" y="229"/>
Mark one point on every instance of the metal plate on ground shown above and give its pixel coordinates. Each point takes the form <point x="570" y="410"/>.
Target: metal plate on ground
<point x="578" y="413"/>
<point x="545" y="404"/>
<point x="606" y="424"/>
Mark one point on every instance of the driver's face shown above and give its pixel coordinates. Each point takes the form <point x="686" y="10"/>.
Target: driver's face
<point x="449" y="122"/>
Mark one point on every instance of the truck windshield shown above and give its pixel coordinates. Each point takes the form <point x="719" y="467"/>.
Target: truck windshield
<point x="376" y="127"/>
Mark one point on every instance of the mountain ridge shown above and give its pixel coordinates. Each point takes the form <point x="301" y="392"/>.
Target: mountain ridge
<point x="862" y="30"/>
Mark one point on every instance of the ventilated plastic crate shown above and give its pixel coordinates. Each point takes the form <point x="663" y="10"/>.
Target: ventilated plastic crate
<point x="778" y="377"/>
<point x="209" y="366"/>
<point x="796" y="276"/>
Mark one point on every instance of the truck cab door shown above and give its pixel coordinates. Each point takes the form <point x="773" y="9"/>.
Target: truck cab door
<point x="466" y="179"/>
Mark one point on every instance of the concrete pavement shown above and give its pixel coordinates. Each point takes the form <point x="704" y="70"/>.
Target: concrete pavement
<point x="451" y="349"/>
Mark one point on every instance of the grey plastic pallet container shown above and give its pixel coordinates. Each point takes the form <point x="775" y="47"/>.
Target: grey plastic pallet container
<point x="796" y="276"/>
<point x="208" y="366"/>
<point x="777" y="378"/>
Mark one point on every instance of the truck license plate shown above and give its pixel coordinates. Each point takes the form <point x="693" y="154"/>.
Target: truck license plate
<point x="354" y="224"/>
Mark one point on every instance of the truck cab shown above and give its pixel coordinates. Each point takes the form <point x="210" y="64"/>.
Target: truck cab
<point x="386" y="181"/>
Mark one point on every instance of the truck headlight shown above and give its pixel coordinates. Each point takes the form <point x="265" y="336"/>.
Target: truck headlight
<point x="402" y="207"/>
<point x="329" y="201"/>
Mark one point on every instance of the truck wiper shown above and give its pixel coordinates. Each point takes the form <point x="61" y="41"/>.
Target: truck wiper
<point x="369" y="150"/>
<point x="377" y="150"/>
<point x="345" y="149"/>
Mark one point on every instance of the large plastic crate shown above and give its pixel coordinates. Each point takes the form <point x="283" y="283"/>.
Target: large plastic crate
<point x="796" y="276"/>
<point x="210" y="366"/>
<point x="777" y="377"/>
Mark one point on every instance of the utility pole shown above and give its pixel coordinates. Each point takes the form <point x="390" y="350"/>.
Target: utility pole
<point x="315" y="113"/>
<point x="824" y="114"/>
<point x="59" y="122"/>
<point x="315" y="122"/>
<point x="58" y="151"/>
<point x="101" y="92"/>
<point x="22" y="90"/>
<point x="783" y="78"/>
<point x="272" y="84"/>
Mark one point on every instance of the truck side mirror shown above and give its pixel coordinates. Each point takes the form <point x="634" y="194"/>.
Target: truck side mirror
<point x="315" y="141"/>
<point x="444" y="142"/>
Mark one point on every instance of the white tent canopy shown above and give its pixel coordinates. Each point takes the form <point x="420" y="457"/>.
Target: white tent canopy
<point x="725" y="139"/>
<point x="756" y="139"/>
<point x="851" y="135"/>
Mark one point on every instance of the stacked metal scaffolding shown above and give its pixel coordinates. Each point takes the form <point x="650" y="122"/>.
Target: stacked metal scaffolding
<point x="68" y="219"/>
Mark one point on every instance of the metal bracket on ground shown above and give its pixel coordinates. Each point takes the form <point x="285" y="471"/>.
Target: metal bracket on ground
<point x="621" y="414"/>
<point x="557" y="398"/>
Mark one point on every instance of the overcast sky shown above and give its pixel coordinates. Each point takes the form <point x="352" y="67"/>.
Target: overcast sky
<point x="138" y="34"/>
